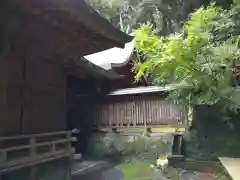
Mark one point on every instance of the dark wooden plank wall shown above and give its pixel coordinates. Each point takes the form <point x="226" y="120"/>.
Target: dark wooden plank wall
<point x="33" y="95"/>
<point x="44" y="96"/>
<point x="10" y="74"/>
<point x="41" y="40"/>
<point x="32" y="91"/>
<point x="32" y="74"/>
<point x="134" y="110"/>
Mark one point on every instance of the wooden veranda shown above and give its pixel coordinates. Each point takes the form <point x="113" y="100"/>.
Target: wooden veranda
<point x="24" y="151"/>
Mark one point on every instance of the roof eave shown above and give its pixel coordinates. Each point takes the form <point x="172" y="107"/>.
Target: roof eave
<point x="140" y="90"/>
<point x="81" y="11"/>
<point x="97" y="70"/>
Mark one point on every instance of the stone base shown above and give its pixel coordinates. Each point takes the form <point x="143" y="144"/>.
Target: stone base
<point x="77" y="157"/>
<point x="175" y="159"/>
<point x="123" y="145"/>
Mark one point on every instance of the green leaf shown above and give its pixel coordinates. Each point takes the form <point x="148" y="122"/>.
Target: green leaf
<point x="199" y="59"/>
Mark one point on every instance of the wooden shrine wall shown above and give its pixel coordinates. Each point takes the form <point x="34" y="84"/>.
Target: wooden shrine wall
<point x="135" y="110"/>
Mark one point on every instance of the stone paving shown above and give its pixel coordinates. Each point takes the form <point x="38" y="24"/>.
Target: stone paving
<point x="110" y="174"/>
<point x="101" y="172"/>
<point x="115" y="174"/>
<point x="192" y="175"/>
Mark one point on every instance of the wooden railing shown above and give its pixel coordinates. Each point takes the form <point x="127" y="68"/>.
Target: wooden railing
<point x="28" y="150"/>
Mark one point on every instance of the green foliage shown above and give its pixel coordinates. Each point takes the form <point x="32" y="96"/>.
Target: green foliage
<point x="165" y="15"/>
<point x="197" y="62"/>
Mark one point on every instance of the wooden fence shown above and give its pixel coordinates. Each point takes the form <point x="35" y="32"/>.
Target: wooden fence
<point x="28" y="150"/>
<point x="131" y="111"/>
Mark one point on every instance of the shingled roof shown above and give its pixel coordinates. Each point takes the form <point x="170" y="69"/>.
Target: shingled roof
<point x="64" y="30"/>
<point x="79" y="12"/>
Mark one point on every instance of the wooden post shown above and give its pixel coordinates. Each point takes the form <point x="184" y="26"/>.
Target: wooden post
<point x="189" y="118"/>
<point x="177" y="144"/>
<point x="3" y="158"/>
<point x="33" y="146"/>
<point x="53" y="148"/>
<point x="33" y="173"/>
<point x="69" y="158"/>
<point x="145" y="126"/>
<point x="114" y="130"/>
<point x="149" y="130"/>
<point x="68" y="141"/>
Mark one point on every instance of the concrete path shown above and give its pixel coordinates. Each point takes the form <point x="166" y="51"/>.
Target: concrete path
<point x="232" y="165"/>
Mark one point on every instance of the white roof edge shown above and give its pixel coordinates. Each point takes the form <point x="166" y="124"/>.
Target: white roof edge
<point x="123" y="63"/>
<point x="139" y="90"/>
<point x="98" y="70"/>
<point x="114" y="57"/>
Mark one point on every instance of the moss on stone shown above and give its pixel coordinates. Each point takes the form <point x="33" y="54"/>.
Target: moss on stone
<point x="141" y="170"/>
<point x="137" y="171"/>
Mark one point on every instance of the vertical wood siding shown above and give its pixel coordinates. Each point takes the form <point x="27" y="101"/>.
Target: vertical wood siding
<point x="134" y="110"/>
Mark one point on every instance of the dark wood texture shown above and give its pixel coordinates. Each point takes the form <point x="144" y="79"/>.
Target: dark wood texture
<point x="37" y="148"/>
<point x="136" y="110"/>
<point x="37" y="40"/>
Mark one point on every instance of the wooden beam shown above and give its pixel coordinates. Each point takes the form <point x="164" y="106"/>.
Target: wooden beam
<point x="33" y="157"/>
<point x="39" y="161"/>
<point x="37" y="135"/>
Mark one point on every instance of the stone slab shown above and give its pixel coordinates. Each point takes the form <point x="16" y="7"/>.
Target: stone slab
<point x="232" y="165"/>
